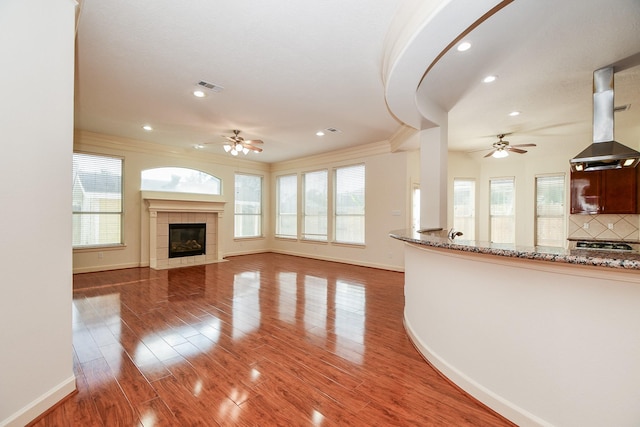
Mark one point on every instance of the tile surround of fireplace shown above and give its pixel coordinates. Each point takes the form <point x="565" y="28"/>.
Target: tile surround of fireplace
<point x="163" y="212"/>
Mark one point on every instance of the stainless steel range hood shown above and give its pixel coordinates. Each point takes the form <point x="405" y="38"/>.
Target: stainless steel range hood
<point x="604" y="153"/>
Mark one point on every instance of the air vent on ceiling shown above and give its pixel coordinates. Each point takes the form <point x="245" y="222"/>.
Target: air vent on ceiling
<point x="334" y="130"/>
<point x="213" y="87"/>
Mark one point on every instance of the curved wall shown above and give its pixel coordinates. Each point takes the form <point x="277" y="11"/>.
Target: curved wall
<point x="540" y="343"/>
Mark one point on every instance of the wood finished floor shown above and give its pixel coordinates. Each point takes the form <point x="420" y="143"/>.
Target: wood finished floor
<point x="260" y="340"/>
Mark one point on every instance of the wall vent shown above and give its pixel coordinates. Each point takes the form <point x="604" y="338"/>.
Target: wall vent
<point x="211" y="86"/>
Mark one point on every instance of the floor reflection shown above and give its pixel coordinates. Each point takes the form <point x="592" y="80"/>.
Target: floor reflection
<point x="263" y="339"/>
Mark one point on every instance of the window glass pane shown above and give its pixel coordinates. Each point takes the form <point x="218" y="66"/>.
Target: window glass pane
<point x="180" y="180"/>
<point x="96" y="200"/>
<point x="248" y="206"/>
<point x="287" y="206"/>
<point x="349" y="204"/>
<point x="502" y="210"/>
<point x="415" y="208"/>
<point x="464" y="211"/>
<point x="315" y="206"/>
<point x="550" y="211"/>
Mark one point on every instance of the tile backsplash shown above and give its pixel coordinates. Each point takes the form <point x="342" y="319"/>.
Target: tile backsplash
<point x="604" y="227"/>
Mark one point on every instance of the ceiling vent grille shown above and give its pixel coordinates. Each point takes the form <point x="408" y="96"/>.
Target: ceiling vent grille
<point x="333" y="130"/>
<point x="211" y="86"/>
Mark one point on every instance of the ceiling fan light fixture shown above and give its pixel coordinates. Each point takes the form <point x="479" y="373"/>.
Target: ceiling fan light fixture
<point x="245" y="150"/>
<point x="233" y="152"/>
<point x="500" y="153"/>
<point x="226" y="147"/>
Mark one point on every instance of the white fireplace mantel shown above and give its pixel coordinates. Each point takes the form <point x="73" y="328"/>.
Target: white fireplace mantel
<point x="165" y="208"/>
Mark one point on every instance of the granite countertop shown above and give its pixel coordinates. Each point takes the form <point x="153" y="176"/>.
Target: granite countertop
<point x="605" y="258"/>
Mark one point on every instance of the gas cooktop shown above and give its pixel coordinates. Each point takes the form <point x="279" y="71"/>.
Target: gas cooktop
<point x="616" y="246"/>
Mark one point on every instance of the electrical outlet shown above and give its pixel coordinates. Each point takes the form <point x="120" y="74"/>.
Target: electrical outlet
<point x="610" y="226"/>
<point x="585" y="225"/>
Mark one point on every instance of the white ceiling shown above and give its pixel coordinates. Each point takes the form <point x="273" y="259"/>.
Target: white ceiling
<point x="291" y="69"/>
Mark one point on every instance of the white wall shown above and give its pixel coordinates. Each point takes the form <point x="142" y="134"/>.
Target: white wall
<point x="36" y="118"/>
<point x="139" y="156"/>
<point x="388" y="184"/>
<point x="388" y="189"/>
<point x="544" y="344"/>
<point x="551" y="156"/>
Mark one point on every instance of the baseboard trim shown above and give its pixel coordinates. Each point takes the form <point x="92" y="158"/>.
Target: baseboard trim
<point x="39" y="406"/>
<point x="341" y="260"/>
<point x="495" y="402"/>
<point x="95" y="268"/>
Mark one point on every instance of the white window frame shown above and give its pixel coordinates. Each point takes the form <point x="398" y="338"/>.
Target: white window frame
<point x="336" y="208"/>
<point x="466" y="224"/>
<point x="239" y="216"/>
<point x="561" y="209"/>
<point x="95" y="230"/>
<point x="316" y="237"/>
<point x="505" y="216"/>
<point x="180" y="180"/>
<point x="280" y="215"/>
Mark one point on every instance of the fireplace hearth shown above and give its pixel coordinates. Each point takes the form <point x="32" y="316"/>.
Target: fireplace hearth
<point x="187" y="240"/>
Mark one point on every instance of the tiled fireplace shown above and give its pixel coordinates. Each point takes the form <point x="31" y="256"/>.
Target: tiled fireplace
<point x="163" y="212"/>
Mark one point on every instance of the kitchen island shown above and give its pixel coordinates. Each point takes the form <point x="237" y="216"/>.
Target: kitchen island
<point x="544" y="336"/>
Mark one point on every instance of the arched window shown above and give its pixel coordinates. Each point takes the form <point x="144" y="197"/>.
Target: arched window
<point x="179" y="180"/>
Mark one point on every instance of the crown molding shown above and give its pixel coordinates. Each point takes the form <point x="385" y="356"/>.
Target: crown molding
<point x="401" y="136"/>
<point x="85" y="140"/>
<point x="346" y="154"/>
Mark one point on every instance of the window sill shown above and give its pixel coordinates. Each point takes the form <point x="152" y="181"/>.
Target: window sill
<point x="83" y="249"/>
<point x="350" y="245"/>
<point x="244" y="239"/>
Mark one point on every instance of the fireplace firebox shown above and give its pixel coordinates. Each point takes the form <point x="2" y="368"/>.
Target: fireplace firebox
<point x="187" y="240"/>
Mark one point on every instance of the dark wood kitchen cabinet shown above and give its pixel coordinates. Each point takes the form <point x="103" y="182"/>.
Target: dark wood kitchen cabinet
<point x="613" y="191"/>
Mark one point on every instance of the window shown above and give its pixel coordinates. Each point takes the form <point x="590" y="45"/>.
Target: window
<point x="314" y="225"/>
<point x="97" y="200"/>
<point x="415" y="207"/>
<point x="179" y="180"/>
<point x="464" y="207"/>
<point x="287" y="206"/>
<point x="550" y="210"/>
<point x="349" y="204"/>
<point x="502" y="210"/>
<point x="248" y="206"/>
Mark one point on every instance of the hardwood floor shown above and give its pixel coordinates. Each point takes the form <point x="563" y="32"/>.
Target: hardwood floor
<point x="260" y="340"/>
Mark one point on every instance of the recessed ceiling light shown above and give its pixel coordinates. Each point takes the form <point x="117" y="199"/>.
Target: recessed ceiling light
<point x="463" y="46"/>
<point x="489" y="79"/>
<point x="199" y="94"/>
<point x="198" y="146"/>
<point x="320" y="133"/>
<point x="148" y="128"/>
<point x="514" y="113"/>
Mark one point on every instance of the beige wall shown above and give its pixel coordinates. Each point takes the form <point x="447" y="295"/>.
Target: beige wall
<point x="551" y="156"/>
<point x="36" y="118"/>
<point x="388" y="178"/>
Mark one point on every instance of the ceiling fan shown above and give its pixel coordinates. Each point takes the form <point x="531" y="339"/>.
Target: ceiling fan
<point x="236" y="144"/>
<point x="501" y="147"/>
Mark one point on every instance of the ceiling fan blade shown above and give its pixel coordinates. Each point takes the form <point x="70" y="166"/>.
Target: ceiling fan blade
<point x="253" y="141"/>
<point x="523" y="145"/>
<point x="515" y="150"/>
<point x="490" y="153"/>
<point x="233" y="138"/>
<point x="252" y="147"/>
